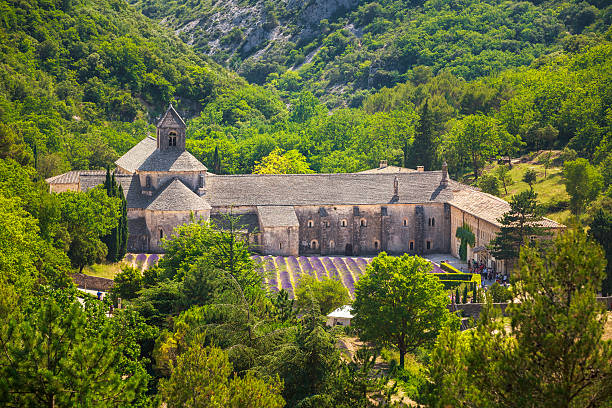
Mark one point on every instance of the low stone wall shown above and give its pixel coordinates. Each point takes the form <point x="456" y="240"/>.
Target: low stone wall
<point x="92" y="282"/>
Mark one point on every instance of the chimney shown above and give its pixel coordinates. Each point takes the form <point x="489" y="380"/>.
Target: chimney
<point x="382" y="164"/>
<point x="444" y="181"/>
<point x="420" y="168"/>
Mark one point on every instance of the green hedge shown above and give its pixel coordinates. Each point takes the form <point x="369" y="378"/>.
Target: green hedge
<point x="452" y="280"/>
<point x="449" y="268"/>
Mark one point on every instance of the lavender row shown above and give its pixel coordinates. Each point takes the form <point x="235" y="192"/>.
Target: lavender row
<point x="331" y="268"/>
<point x="320" y="271"/>
<point x="270" y="273"/>
<point x="285" y="279"/>
<point x="353" y="267"/>
<point x="294" y="269"/>
<point x="345" y="274"/>
<point x="306" y="266"/>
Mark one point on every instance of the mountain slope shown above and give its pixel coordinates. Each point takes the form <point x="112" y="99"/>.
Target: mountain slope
<point x="341" y="49"/>
<point x="80" y="80"/>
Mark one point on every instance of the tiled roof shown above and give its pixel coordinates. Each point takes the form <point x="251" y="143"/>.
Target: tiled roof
<point x="487" y="206"/>
<point x="176" y="196"/>
<point x="171" y="119"/>
<point x="171" y="160"/>
<point x="277" y="216"/>
<point x="325" y="189"/>
<point x="132" y="160"/>
<point x="72" y="177"/>
<point x="129" y="182"/>
<point x="145" y="157"/>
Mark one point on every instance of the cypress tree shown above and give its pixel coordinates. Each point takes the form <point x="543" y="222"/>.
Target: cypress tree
<point x="116" y="240"/>
<point x="216" y="161"/>
<point x="465" y="293"/>
<point x="457" y="298"/>
<point x="423" y="149"/>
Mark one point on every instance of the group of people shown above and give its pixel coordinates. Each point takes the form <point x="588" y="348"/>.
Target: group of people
<point x="486" y="273"/>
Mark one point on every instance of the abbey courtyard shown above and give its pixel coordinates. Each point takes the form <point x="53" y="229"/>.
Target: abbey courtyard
<point x="391" y="209"/>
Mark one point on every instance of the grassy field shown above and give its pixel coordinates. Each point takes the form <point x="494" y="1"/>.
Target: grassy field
<point x="106" y="270"/>
<point x="550" y="189"/>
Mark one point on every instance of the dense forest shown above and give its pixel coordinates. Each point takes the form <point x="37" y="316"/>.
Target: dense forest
<point x="343" y="50"/>
<point x="297" y="87"/>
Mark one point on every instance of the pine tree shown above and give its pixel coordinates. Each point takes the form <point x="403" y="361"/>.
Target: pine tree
<point x="518" y="225"/>
<point x="423" y="149"/>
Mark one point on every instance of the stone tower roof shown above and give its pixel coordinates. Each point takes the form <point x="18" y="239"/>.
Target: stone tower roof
<point x="145" y="157"/>
<point x="176" y="196"/>
<point x="171" y="119"/>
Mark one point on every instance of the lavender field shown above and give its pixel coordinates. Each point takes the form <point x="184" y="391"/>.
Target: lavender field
<point x="284" y="272"/>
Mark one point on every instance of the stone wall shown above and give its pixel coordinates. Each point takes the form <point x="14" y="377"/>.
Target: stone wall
<point x="280" y="241"/>
<point x="158" y="178"/>
<point x="161" y="224"/>
<point x="60" y="188"/>
<point x="369" y="229"/>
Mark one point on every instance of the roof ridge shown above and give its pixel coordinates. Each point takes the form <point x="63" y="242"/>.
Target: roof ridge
<point x="358" y="174"/>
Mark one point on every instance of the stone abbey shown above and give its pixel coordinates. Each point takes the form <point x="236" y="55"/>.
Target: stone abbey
<point x="391" y="209"/>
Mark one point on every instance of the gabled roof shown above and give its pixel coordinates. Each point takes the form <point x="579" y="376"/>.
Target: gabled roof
<point x="171" y="160"/>
<point x="134" y="158"/>
<point x="325" y="189"/>
<point x="345" y="311"/>
<point x="145" y="157"/>
<point x="277" y="216"/>
<point x="487" y="206"/>
<point x="176" y="196"/>
<point x="171" y="119"/>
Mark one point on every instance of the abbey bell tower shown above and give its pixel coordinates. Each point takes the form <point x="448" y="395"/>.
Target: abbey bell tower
<point x="171" y="131"/>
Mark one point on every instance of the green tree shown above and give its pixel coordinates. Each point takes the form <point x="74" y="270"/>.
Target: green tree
<point x="517" y="225"/>
<point x="201" y="378"/>
<point x="476" y="138"/>
<point x="601" y="230"/>
<point x="582" y="182"/>
<point x="551" y="355"/>
<point x="499" y="293"/>
<point x="530" y="177"/>
<point x="127" y="283"/>
<point x="546" y="160"/>
<point x="329" y="294"/>
<point x="398" y="302"/>
<point x="222" y="246"/>
<point x="423" y="148"/>
<point x="53" y="358"/>
<point x="503" y="174"/>
<point x="488" y="183"/>
<point x="88" y="217"/>
<point x="279" y="162"/>
<point x="467" y="237"/>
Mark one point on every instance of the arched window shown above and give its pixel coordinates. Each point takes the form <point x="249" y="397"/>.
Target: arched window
<point x="310" y="223"/>
<point x="280" y="245"/>
<point x="364" y="222"/>
<point x="332" y="244"/>
<point x="343" y="223"/>
<point x="405" y="222"/>
<point x="429" y="222"/>
<point x="428" y="244"/>
<point x="314" y="244"/>
<point x="412" y="245"/>
<point x="376" y="245"/>
<point x="161" y="233"/>
<point x="172" y="139"/>
<point x="433" y="222"/>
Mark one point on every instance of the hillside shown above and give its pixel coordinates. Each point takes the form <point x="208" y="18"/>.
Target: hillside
<point x="81" y="80"/>
<point x="342" y="50"/>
